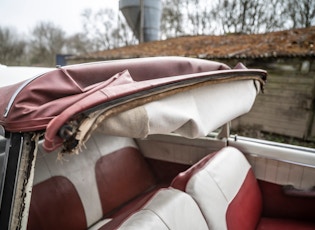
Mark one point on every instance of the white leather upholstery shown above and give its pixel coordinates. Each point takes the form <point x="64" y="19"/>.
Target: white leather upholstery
<point x="80" y="170"/>
<point x="216" y="185"/>
<point x="168" y="209"/>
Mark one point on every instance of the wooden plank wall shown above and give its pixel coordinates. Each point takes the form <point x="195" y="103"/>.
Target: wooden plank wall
<point x="286" y="107"/>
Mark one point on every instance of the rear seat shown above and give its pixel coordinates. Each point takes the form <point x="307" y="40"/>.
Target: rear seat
<point x="120" y="177"/>
<point x="125" y="182"/>
<point x="81" y="190"/>
<point x="56" y="205"/>
<point x="226" y="190"/>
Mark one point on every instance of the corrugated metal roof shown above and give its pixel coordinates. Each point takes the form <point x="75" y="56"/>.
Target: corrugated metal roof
<point x="289" y="43"/>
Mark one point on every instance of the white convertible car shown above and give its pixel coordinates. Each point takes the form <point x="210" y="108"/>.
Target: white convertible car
<point x="144" y="144"/>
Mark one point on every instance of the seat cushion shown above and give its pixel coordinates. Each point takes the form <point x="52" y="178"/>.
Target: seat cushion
<point x="167" y="209"/>
<point x="225" y="188"/>
<point x="131" y="207"/>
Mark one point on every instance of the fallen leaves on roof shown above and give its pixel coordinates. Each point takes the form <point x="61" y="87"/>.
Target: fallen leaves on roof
<point x="288" y="43"/>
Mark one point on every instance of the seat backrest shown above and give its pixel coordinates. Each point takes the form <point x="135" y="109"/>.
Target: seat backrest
<point x="225" y="188"/>
<point x="122" y="176"/>
<point x="168" y="209"/>
<point x="56" y="205"/>
<point x="66" y="193"/>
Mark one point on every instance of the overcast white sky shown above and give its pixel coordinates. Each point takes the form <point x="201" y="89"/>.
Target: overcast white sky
<point x="23" y="15"/>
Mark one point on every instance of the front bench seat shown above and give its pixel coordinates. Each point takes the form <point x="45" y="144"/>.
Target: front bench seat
<point x="168" y="209"/>
<point x="225" y="188"/>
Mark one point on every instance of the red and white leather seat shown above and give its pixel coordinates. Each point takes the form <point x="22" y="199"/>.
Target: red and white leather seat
<point x="168" y="209"/>
<point x="227" y="192"/>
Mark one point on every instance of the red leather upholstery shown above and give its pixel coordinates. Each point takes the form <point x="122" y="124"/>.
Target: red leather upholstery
<point x="227" y="192"/>
<point x="55" y="204"/>
<point x="222" y="185"/>
<point x="121" y="176"/>
<point x="132" y="207"/>
<point x="245" y="209"/>
<point x="277" y="204"/>
<point x="285" y="224"/>
<point x="182" y="179"/>
<point x="124" y="182"/>
<point x="225" y="189"/>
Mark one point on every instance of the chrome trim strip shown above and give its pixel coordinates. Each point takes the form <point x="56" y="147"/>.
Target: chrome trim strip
<point x="7" y="109"/>
<point x="286" y="153"/>
<point x="272" y="143"/>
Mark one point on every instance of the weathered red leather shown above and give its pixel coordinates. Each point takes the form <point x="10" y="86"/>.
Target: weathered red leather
<point x="52" y="99"/>
<point x="285" y="224"/>
<point x="134" y="205"/>
<point x="122" y="176"/>
<point x="182" y="179"/>
<point x="244" y="211"/>
<point x="55" y="204"/>
<point x="278" y="205"/>
<point x="39" y="101"/>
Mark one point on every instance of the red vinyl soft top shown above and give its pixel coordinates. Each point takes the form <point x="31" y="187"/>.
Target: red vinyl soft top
<point x="29" y="106"/>
<point x="67" y="91"/>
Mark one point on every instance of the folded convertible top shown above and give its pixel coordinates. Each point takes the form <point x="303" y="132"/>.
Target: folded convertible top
<point x="59" y="97"/>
